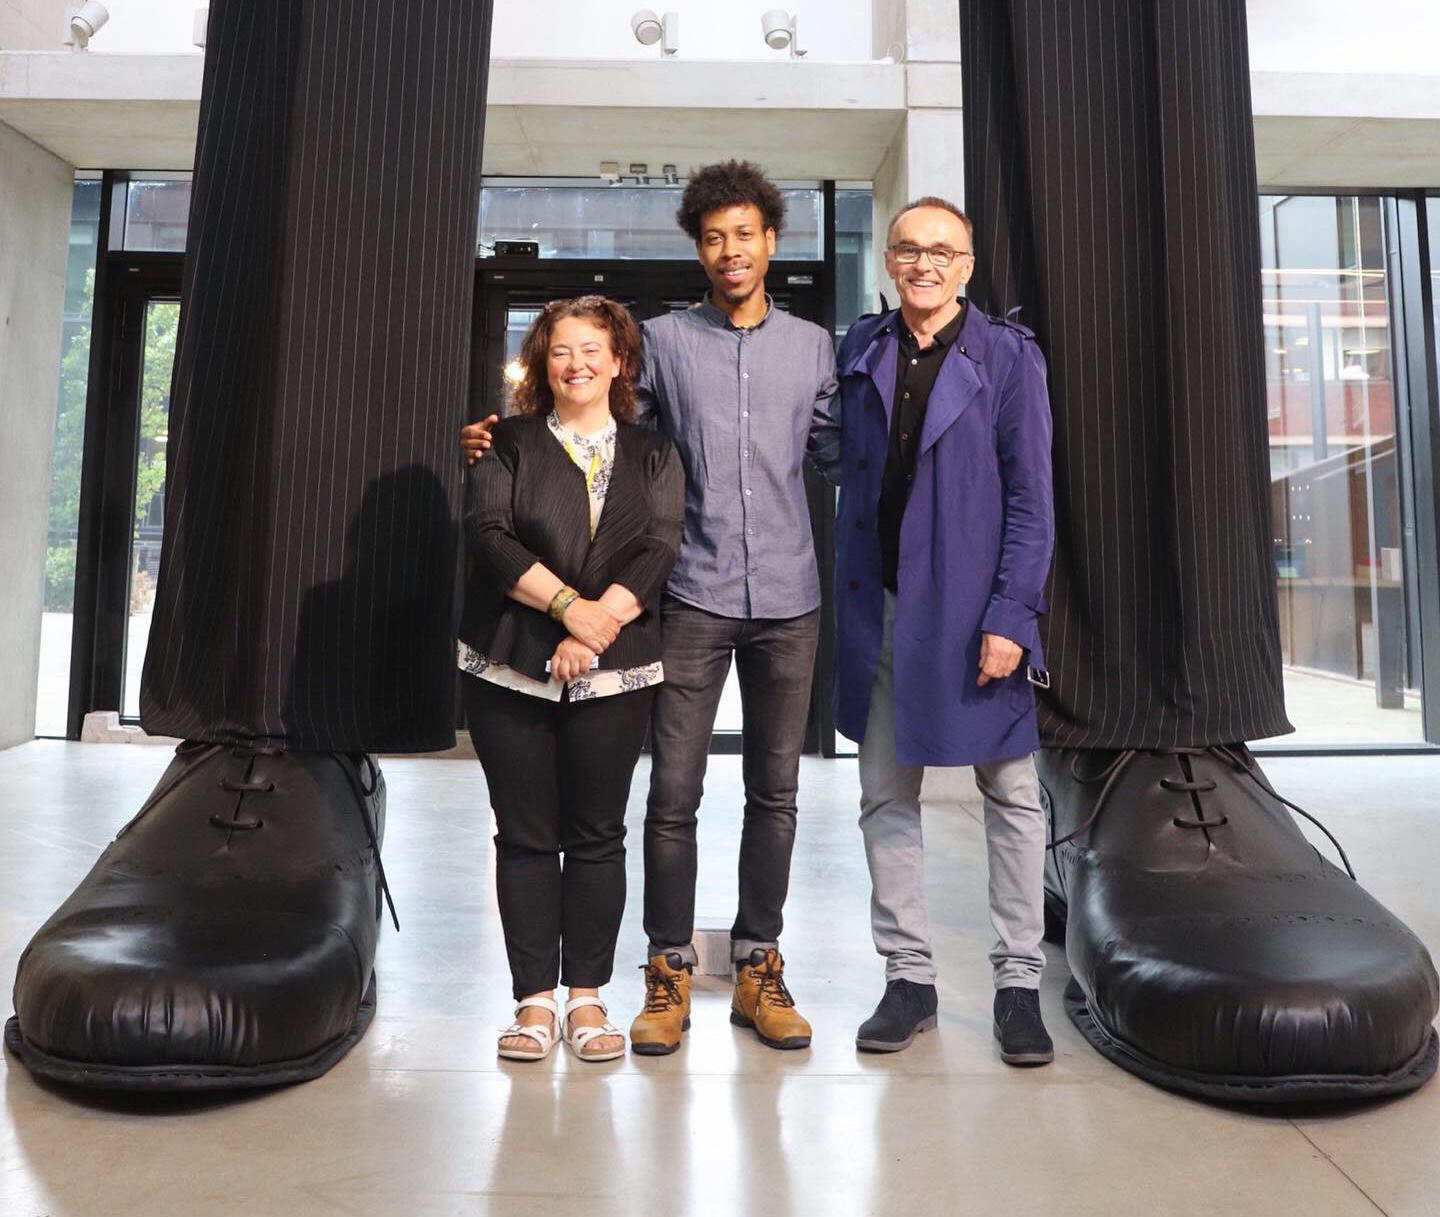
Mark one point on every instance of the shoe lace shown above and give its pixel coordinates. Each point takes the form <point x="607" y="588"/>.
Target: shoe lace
<point x="773" y="992"/>
<point x="662" y="990"/>
<point x="1237" y="756"/>
<point x="198" y="751"/>
<point x="1023" y="999"/>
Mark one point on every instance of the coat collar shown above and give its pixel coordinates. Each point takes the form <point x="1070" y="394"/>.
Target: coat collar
<point x="875" y="353"/>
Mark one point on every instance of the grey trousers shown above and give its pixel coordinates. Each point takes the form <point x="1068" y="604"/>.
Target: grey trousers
<point x="895" y="849"/>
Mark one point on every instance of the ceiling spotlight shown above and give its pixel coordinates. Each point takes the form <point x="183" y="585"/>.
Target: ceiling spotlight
<point x="781" y="30"/>
<point x="82" y="24"/>
<point x="650" y="29"/>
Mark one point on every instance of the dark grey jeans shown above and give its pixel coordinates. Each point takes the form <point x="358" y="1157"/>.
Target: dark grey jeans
<point x="774" y="660"/>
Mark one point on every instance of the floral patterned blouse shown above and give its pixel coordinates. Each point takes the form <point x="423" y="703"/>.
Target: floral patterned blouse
<point x="595" y="457"/>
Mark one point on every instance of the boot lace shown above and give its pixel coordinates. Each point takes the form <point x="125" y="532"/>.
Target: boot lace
<point x="662" y="990"/>
<point x="1237" y="756"/>
<point x="773" y="992"/>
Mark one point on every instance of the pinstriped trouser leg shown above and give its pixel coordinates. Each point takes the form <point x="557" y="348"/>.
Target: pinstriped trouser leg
<point x="1110" y="174"/>
<point x="307" y="585"/>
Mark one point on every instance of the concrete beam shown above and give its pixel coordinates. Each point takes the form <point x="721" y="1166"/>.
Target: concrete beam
<point x="1352" y="129"/>
<point x="546" y="117"/>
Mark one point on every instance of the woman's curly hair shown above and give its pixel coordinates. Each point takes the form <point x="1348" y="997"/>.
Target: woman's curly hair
<point x="532" y="394"/>
<point x="729" y="184"/>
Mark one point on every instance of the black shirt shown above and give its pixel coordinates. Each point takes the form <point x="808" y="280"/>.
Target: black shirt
<point x="914" y="380"/>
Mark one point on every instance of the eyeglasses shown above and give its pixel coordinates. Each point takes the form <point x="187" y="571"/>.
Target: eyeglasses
<point x="940" y="255"/>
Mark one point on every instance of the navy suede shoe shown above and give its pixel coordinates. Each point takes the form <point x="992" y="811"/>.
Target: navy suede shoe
<point x="906" y="1010"/>
<point x="1020" y="1029"/>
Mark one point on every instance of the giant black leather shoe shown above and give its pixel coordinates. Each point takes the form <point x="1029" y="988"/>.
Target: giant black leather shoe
<point x="1213" y="949"/>
<point x="225" y="939"/>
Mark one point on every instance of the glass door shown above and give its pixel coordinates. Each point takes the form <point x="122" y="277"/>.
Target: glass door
<point x="123" y="484"/>
<point x="157" y="361"/>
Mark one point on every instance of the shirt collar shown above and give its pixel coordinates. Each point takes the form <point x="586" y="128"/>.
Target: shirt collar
<point x="606" y="433"/>
<point x="946" y="334"/>
<point x="716" y="317"/>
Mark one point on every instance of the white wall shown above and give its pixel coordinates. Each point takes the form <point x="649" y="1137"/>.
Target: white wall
<point x="35" y="195"/>
<point x="31" y="25"/>
<point x="1383" y="36"/>
<point x="830" y="30"/>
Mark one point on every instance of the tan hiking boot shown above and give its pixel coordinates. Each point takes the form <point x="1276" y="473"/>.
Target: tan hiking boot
<point x="656" y="1029"/>
<point x="763" y="1003"/>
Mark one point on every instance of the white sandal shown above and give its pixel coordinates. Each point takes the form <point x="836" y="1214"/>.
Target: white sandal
<point x="579" y="1037"/>
<point x="544" y="1036"/>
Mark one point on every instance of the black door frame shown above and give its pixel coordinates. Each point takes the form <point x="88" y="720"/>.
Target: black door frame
<point x="126" y="284"/>
<point x="804" y="286"/>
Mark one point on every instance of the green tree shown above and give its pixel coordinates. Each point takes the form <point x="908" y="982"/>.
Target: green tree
<point x="69" y="453"/>
<point x="161" y="327"/>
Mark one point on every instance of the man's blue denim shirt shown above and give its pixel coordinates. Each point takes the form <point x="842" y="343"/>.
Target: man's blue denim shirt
<point x="744" y="407"/>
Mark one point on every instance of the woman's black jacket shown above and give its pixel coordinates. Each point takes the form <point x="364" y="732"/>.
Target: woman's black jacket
<point x="526" y="502"/>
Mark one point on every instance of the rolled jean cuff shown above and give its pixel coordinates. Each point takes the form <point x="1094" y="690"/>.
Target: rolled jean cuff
<point x="740" y="948"/>
<point x="688" y="956"/>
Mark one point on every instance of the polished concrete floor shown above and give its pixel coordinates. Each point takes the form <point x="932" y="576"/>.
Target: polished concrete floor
<point x="422" y="1120"/>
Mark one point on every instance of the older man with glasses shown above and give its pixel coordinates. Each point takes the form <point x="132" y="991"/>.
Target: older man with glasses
<point x="944" y="538"/>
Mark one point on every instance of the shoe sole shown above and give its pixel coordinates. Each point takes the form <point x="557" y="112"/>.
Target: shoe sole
<point x="790" y="1041"/>
<point x="925" y="1024"/>
<point x="189" y="1078"/>
<point x="651" y="1048"/>
<point x="1024" y="1058"/>
<point x="1292" y="1088"/>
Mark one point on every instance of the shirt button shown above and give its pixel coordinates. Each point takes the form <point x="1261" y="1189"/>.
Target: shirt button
<point x="744" y="413"/>
<point x="747" y="489"/>
<point x="744" y="375"/>
<point x="905" y="436"/>
<point x="913" y="362"/>
<point x="907" y="397"/>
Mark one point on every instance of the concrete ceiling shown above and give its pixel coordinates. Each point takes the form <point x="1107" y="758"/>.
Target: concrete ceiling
<point x="799" y="120"/>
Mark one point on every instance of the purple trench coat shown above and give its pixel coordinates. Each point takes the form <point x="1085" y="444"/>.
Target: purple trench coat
<point x="975" y="542"/>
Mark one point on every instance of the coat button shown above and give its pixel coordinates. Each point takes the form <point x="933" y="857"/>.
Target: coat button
<point x="854" y="585"/>
<point x="862" y="464"/>
<point x="860" y="525"/>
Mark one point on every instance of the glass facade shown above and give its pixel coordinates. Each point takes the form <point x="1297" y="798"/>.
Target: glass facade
<point x="58" y="616"/>
<point x="156" y="214"/>
<point x="1432" y="216"/>
<point x="1338" y="484"/>
<point x="622" y="222"/>
<point x="855" y="293"/>
<point x="1342" y="493"/>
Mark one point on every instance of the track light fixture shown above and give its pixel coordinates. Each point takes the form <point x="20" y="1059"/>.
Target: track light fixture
<point x="82" y="23"/>
<point x="650" y="29"/>
<point x="781" y="30"/>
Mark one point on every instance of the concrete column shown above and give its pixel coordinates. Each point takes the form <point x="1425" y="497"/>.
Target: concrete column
<point x="35" y="195"/>
<point x="31" y="25"/>
<point x="925" y="156"/>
